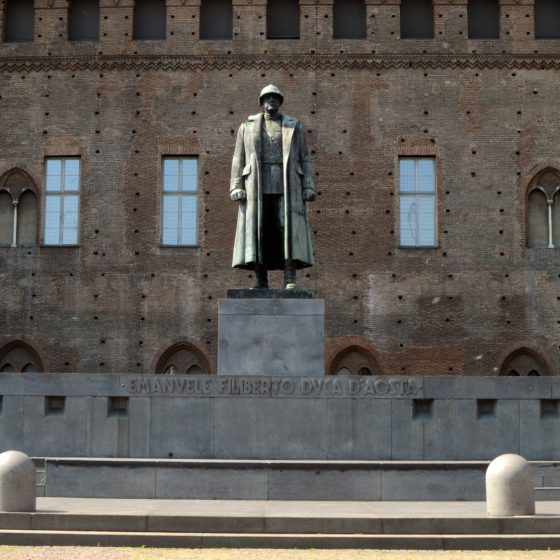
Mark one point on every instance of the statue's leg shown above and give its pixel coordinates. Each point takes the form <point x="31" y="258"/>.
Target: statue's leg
<point x="261" y="274"/>
<point x="289" y="276"/>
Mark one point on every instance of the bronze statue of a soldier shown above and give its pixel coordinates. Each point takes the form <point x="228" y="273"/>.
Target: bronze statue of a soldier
<point x="272" y="179"/>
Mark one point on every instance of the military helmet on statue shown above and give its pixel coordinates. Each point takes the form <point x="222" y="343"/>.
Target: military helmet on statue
<point x="270" y="89"/>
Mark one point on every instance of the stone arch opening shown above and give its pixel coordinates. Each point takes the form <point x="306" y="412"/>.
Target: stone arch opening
<point x="183" y="358"/>
<point x="20" y="357"/>
<point x="354" y="360"/>
<point x="524" y="362"/>
<point x="543" y="209"/>
<point x="19" y="209"/>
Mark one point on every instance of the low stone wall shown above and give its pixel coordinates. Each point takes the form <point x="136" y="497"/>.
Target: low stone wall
<point x="319" y="418"/>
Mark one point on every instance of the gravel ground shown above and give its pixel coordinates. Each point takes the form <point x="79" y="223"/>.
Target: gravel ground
<point x="87" y="553"/>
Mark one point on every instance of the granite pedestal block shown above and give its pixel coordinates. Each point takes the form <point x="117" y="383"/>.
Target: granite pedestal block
<point x="282" y="337"/>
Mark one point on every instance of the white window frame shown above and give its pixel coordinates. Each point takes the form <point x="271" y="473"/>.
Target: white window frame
<point x="417" y="193"/>
<point x="183" y="194"/>
<point x="63" y="194"/>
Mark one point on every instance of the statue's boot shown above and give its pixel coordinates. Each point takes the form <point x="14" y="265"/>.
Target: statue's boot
<point x="289" y="276"/>
<point x="261" y="274"/>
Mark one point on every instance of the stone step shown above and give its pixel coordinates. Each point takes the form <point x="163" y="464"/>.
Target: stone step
<point x="548" y="493"/>
<point x="280" y="540"/>
<point x="221" y="479"/>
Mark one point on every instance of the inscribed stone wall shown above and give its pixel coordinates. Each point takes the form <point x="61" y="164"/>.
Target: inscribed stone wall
<point x="486" y="110"/>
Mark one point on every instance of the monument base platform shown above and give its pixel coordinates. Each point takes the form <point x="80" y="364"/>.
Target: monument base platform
<point x="282" y="336"/>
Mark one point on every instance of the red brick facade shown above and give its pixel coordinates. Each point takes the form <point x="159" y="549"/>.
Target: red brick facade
<point x="487" y="110"/>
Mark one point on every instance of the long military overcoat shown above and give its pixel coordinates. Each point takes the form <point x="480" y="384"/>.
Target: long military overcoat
<point x="246" y="174"/>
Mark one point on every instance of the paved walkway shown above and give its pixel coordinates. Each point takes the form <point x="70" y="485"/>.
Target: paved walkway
<point x="85" y="553"/>
<point x="244" y="508"/>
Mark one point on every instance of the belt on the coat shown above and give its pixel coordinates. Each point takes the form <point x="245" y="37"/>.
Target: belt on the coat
<point x="272" y="163"/>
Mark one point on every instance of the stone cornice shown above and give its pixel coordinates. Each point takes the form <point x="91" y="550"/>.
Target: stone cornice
<point x="304" y="61"/>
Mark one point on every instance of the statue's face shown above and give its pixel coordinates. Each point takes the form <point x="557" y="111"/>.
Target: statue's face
<point x="271" y="103"/>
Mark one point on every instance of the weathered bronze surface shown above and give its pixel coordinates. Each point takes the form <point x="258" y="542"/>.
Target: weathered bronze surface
<point x="272" y="179"/>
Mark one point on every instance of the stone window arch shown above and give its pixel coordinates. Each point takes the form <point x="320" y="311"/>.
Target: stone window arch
<point x="216" y="19"/>
<point x="183" y="358"/>
<point x="19" y="21"/>
<point x="150" y="19"/>
<point x="543" y="210"/>
<point x="524" y="362"/>
<point x="19" y="357"/>
<point x="349" y="19"/>
<point x="282" y="19"/>
<point x="83" y="20"/>
<point x="417" y="19"/>
<point x="354" y="360"/>
<point x="19" y="210"/>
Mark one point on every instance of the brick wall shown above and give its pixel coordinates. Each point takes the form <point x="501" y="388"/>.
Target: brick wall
<point x="487" y="110"/>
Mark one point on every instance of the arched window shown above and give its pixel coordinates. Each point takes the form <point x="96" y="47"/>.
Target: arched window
<point x="216" y="19"/>
<point x="83" y="20"/>
<point x="417" y="19"/>
<point x="354" y="360"/>
<point x="149" y="19"/>
<point x="19" y="357"/>
<point x="282" y="19"/>
<point x="349" y="19"/>
<point x="484" y="19"/>
<point x="547" y="19"/>
<point x="524" y="362"/>
<point x="19" y="21"/>
<point x="18" y="210"/>
<point x="183" y="358"/>
<point x="543" y="210"/>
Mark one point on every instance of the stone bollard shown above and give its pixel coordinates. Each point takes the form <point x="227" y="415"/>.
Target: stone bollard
<point x="17" y="482"/>
<point x="510" y="488"/>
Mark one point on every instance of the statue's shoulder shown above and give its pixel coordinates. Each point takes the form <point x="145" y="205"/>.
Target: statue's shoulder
<point x="252" y="118"/>
<point x="288" y="121"/>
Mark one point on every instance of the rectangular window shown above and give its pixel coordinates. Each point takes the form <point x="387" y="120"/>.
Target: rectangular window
<point x="180" y="198"/>
<point x="62" y="201"/>
<point x="417" y="198"/>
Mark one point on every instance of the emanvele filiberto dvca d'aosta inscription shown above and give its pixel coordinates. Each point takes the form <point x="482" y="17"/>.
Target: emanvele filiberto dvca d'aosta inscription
<point x="304" y="387"/>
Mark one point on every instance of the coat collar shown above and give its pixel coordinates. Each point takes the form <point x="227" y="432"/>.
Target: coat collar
<point x="288" y="127"/>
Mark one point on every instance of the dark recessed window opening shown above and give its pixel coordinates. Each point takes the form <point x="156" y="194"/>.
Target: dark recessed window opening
<point x="54" y="405"/>
<point x="550" y="408"/>
<point x="417" y="19"/>
<point x="216" y="19"/>
<point x="149" y="19"/>
<point x="282" y="19"/>
<point x="83" y="21"/>
<point x="486" y="408"/>
<point x="117" y="406"/>
<point x="349" y="19"/>
<point x="19" y="22"/>
<point x="422" y="409"/>
<point x="547" y="19"/>
<point x="484" y="19"/>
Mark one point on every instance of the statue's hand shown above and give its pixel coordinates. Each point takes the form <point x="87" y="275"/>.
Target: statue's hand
<point x="308" y="195"/>
<point x="238" y="194"/>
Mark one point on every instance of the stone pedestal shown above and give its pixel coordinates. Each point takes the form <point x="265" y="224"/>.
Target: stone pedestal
<point x="281" y="337"/>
